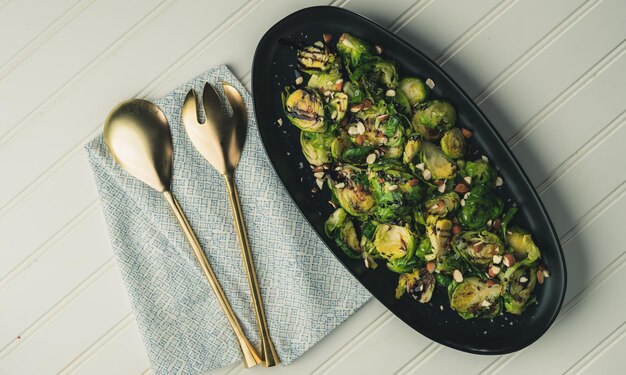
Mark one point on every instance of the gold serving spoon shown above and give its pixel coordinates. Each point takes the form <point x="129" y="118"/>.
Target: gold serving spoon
<point x="138" y="136"/>
<point x="220" y="140"/>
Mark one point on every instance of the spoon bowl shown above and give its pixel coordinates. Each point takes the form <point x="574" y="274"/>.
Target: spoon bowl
<point x="138" y="136"/>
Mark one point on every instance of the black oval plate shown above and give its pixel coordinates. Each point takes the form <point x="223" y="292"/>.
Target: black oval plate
<point x="274" y="68"/>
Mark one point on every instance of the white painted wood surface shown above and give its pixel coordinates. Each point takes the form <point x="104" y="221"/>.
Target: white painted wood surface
<point x="551" y="76"/>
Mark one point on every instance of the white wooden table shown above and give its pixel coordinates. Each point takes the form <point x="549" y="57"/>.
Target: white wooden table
<point x="551" y="76"/>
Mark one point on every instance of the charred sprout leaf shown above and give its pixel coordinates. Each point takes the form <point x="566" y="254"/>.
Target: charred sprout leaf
<point x="305" y="109"/>
<point x="477" y="247"/>
<point x="354" y="51"/>
<point x="414" y="89"/>
<point x="316" y="147"/>
<point x="472" y="298"/>
<point x="420" y="285"/>
<point x="354" y="92"/>
<point x="506" y="219"/>
<point x="522" y="244"/>
<point x="439" y="231"/>
<point x="442" y="205"/>
<point x="432" y="119"/>
<point x="481" y="172"/>
<point x="481" y="205"/>
<point x="401" y="103"/>
<point x="436" y="162"/>
<point x="453" y="143"/>
<point x="394" y="242"/>
<point x="313" y="59"/>
<point x="520" y="281"/>
<point x="340" y="227"/>
<point x="353" y="196"/>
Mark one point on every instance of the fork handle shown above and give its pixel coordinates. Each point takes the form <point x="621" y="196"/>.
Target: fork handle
<point x="268" y="352"/>
<point x="250" y="356"/>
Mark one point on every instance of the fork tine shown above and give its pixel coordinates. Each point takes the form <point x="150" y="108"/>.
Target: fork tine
<point x="213" y="109"/>
<point x="236" y="103"/>
<point x="190" y="110"/>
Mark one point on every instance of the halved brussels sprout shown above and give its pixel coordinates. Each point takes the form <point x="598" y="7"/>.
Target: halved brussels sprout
<point x="316" y="147"/>
<point x="395" y="192"/>
<point x="312" y="59"/>
<point x="376" y="76"/>
<point x="325" y="81"/>
<point x="520" y="282"/>
<point x="394" y="242"/>
<point x="481" y="205"/>
<point x="522" y="244"/>
<point x="472" y="298"/>
<point x="352" y="195"/>
<point x="443" y="204"/>
<point x="354" y="51"/>
<point x="439" y="165"/>
<point x="414" y="89"/>
<point x="453" y="143"/>
<point x="481" y="172"/>
<point x="338" y="106"/>
<point x="340" y="227"/>
<point x="439" y="231"/>
<point x="376" y="129"/>
<point x="477" y="247"/>
<point x="432" y="119"/>
<point x="305" y="109"/>
<point x="420" y="284"/>
<point x="411" y="149"/>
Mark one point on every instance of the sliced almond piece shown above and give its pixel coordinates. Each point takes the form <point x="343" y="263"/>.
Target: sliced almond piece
<point x="441" y="188"/>
<point x="426" y="174"/>
<point x="508" y="260"/>
<point x="497" y="259"/>
<point x="430" y="83"/>
<point x="499" y="181"/>
<point x="299" y="80"/>
<point x="340" y="185"/>
<point x="485" y="303"/>
<point x="457" y="276"/>
<point x="420" y="166"/>
<point x="371" y="158"/>
<point x="320" y="183"/>
<point x="318" y="174"/>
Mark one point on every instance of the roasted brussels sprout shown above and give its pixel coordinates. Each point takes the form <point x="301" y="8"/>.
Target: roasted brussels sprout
<point x="305" y="109"/>
<point x="315" y="147"/>
<point x="354" y="51"/>
<point x="480" y="172"/>
<point x="414" y="89"/>
<point x="436" y="162"/>
<point x="439" y="231"/>
<point x="341" y="228"/>
<point x="338" y="106"/>
<point x="520" y="281"/>
<point x="411" y="149"/>
<point x="477" y="247"/>
<point x="395" y="192"/>
<point x="522" y="244"/>
<point x="394" y="242"/>
<point x="453" y="143"/>
<point x="325" y="81"/>
<point x="376" y="77"/>
<point x="420" y="284"/>
<point x="472" y="298"/>
<point x="480" y="206"/>
<point x="432" y="119"/>
<point x="313" y="59"/>
<point x="351" y="193"/>
<point x="354" y="92"/>
<point x="442" y="205"/>
<point x="377" y="129"/>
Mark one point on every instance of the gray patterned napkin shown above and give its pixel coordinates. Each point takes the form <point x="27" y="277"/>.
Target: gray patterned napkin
<point x="306" y="291"/>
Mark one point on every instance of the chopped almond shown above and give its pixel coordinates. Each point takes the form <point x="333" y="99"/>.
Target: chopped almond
<point x="456" y="229"/>
<point x="430" y="267"/>
<point x="508" y="260"/>
<point x="494" y="271"/>
<point x="540" y="276"/>
<point x="457" y="276"/>
<point x="466" y="133"/>
<point x="327" y="37"/>
<point x="413" y="182"/>
<point x="461" y="188"/>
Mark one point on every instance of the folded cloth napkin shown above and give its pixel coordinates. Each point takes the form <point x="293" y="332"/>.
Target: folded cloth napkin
<point x="306" y="291"/>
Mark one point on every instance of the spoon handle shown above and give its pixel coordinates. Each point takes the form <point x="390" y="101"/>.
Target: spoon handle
<point x="268" y="352"/>
<point x="250" y="356"/>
